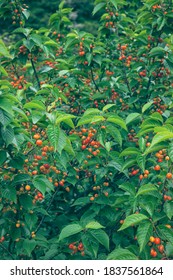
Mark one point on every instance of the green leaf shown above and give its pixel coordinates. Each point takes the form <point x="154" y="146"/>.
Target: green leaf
<point x="81" y="201"/>
<point x="117" y="120"/>
<point x="26" y="13"/>
<point x="53" y="132"/>
<point x="166" y="233"/>
<point x="62" y="140"/>
<point x="90" y="119"/>
<point x="29" y="245"/>
<point x="3" y="71"/>
<point x="157" y="51"/>
<point x="94" y="225"/>
<point x="26" y="201"/>
<point x="142" y="144"/>
<point x="21" y="113"/>
<point x="115" y="133"/>
<point x="91" y="244"/>
<point x="101" y="237"/>
<point x="170" y="151"/>
<point x="108" y="106"/>
<point x="133" y="219"/>
<point x="20" y="178"/>
<point x="128" y="187"/>
<point x="97" y="119"/>
<point x="70" y="230"/>
<point x="128" y="163"/>
<point x="146" y="189"/>
<point x="121" y="254"/>
<point x="117" y="164"/>
<point x="41" y="183"/>
<point x="144" y="232"/>
<point x="6" y="105"/>
<point x="141" y="160"/>
<point x="130" y="151"/>
<point x="3" y="157"/>
<point x="98" y="7"/>
<point x="147" y="106"/>
<point x="168" y="209"/>
<point x="91" y="111"/>
<point x="35" y="104"/>
<point x="159" y="137"/>
<point x="10" y="193"/>
<point x="7" y="134"/>
<point x="5" y="118"/>
<point x="64" y="117"/>
<point x="3" y="50"/>
<point x="130" y="118"/>
<point x="68" y="147"/>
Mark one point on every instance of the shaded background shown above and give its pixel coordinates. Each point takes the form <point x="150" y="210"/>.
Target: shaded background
<point x="41" y="10"/>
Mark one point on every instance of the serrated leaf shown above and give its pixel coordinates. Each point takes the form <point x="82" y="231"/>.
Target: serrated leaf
<point x="115" y="133"/>
<point x="5" y="117"/>
<point x="147" y="106"/>
<point x="128" y="187"/>
<point x="133" y="219"/>
<point x="117" y="120"/>
<point x="159" y="137"/>
<point x="166" y="233"/>
<point x="94" y="225"/>
<point x="117" y="164"/>
<point x="130" y="151"/>
<point x="141" y="160"/>
<point x="89" y="119"/>
<point x="170" y="151"/>
<point x="121" y="254"/>
<point x="41" y="183"/>
<point x="20" y="112"/>
<point x="101" y="237"/>
<point x="10" y="193"/>
<point x="157" y="51"/>
<point x="7" y="134"/>
<point x="35" y="104"/>
<point x="168" y="209"/>
<point x="63" y="118"/>
<point x="62" y="141"/>
<point x="144" y="232"/>
<point x="69" y="231"/>
<point x="146" y="189"/>
<point x="128" y="163"/>
<point x="29" y="245"/>
<point x="6" y="105"/>
<point x="53" y="135"/>
<point x="20" y="178"/>
<point x="131" y="117"/>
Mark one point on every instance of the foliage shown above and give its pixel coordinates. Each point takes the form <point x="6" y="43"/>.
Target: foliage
<point x="86" y="129"/>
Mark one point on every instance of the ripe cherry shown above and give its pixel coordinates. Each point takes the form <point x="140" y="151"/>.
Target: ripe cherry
<point x="169" y="175"/>
<point x="157" y="240"/>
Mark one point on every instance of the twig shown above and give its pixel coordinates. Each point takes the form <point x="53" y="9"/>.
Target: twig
<point x="92" y="74"/>
<point x="42" y="219"/>
<point x="35" y="73"/>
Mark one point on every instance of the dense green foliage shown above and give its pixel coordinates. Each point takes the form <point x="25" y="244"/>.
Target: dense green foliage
<point x="86" y="129"/>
